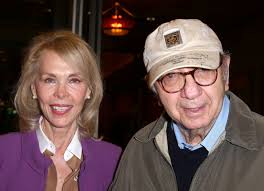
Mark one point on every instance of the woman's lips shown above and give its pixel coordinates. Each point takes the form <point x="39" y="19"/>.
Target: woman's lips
<point x="60" y="109"/>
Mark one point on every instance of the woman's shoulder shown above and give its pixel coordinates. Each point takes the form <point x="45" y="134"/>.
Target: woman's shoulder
<point x="12" y="142"/>
<point x="14" y="137"/>
<point x="101" y="155"/>
<point x="9" y="138"/>
<point x="102" y="158"/>
<point x="100" y="146"/>
<point x="101" y="152"/>
<point x="10" y="145"/>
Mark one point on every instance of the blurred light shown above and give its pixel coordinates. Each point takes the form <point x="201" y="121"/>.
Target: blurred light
<point x="151" y="18"/>
<point x="117" y="21"/>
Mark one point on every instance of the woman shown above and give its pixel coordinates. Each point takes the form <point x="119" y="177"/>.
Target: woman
<point x="58" y="98"/>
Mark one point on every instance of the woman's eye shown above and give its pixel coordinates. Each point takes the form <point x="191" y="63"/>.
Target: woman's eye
<point x="49" y="80"/>
<point x="75" y="80"/>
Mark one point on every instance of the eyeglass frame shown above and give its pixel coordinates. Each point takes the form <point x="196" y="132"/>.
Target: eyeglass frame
<point x="192" y="74"/>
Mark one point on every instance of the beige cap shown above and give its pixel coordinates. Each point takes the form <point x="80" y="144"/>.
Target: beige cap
<point x="180" y="43"/>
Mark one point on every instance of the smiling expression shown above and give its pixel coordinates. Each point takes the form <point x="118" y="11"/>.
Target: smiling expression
<point x="60" y="90"/>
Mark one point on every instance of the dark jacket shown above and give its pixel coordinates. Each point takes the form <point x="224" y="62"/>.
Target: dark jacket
<point x="236" y="164"/>
<point x="23" y="167"/>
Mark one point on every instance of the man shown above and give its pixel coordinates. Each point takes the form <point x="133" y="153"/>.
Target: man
<point x="207" y="139"/>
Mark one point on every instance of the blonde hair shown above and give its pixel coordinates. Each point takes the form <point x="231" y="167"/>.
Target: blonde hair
<point x="73" y="50"/>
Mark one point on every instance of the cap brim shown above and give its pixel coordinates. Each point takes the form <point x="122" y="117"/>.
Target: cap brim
<point x="200" y="59"/>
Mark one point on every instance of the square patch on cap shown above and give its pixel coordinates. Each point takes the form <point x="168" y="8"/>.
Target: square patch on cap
<point x="172" y="38"/>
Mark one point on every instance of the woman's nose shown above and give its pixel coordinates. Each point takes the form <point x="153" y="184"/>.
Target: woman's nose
<point x="61" y="91"/>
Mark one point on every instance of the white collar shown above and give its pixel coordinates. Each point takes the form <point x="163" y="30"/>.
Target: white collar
<point x="74" y="148"/>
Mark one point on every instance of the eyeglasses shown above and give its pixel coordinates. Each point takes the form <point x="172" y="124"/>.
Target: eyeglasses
<point x="175" y="81"/>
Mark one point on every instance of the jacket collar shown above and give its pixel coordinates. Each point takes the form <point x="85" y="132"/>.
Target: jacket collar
<point x="240" y="129"/>
<point x="241" y="126"/>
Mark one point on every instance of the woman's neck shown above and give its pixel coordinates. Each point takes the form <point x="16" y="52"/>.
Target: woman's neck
<point x="58" y="136"/>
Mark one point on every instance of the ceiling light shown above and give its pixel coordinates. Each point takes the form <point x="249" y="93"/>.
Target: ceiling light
<point x="117" y="21"/>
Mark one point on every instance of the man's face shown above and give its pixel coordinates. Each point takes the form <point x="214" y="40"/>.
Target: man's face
<point x="195" y="106"/>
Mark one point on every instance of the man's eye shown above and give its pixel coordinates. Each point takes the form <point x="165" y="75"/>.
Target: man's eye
<point x="171" y="75"/>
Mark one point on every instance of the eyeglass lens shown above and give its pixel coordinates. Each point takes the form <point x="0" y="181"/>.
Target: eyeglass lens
<point x="173" y="82"/>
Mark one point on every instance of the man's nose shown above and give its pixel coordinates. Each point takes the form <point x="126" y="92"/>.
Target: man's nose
<point x="191" y="89"/>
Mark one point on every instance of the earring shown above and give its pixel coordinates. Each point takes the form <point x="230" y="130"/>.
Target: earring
<point x="34" y="97"/>
<point x="88" y="97"/>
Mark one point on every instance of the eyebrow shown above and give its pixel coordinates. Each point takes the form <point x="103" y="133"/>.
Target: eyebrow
<point x="46" y="74"/>
<point x="54" y="75"/>
<point x="75" y="75"/>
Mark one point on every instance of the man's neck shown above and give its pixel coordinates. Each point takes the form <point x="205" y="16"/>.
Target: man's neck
<point x="194" y="136"/>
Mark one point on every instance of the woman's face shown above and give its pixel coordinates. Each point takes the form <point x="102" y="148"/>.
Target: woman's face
<point x="61" y="91"/>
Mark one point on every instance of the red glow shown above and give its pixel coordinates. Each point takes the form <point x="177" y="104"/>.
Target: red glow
<point x="116" y="22"/>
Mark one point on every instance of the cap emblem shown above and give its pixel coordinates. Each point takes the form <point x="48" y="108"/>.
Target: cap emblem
<point x="172" y="39"/>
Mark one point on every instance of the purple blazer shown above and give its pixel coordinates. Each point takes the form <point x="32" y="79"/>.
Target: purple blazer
<point x="23" y="167"/>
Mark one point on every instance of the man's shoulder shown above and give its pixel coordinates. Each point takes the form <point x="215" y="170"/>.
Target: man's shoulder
<point x="246" y="123"/>
<point x="259" y="118"/>
<point x="150" y="131"/>
<point x="145" y="131"/>
<point x="143" y="139"/>
<point x="259" y="123"/>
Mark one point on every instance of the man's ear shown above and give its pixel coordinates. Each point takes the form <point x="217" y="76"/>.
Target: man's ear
<point x="33" y="91"/>
<point x="226" y="64"/>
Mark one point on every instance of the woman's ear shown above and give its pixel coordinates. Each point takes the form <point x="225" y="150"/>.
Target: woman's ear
<point x="33" y="91"/>
<point x="88" y="94"/>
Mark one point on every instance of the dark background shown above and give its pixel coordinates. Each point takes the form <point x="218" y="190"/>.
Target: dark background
<point x="128" y="105"/>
